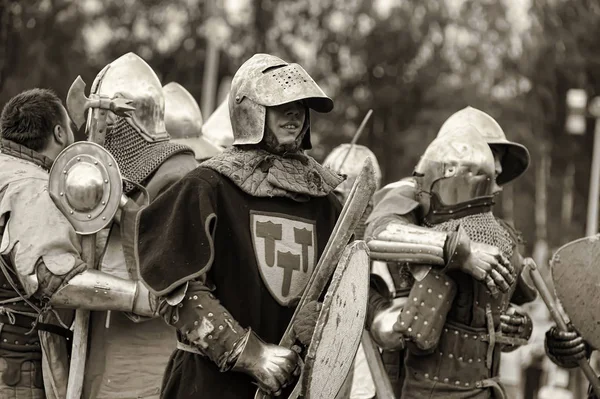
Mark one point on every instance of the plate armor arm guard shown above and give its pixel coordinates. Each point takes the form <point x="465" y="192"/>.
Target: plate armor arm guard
<point x="206" y="328"/>
<point x="416" y="245"/>
<point x="205" y="325"/>
<point x="95" y="290"/>
<point x="422" y="320"/>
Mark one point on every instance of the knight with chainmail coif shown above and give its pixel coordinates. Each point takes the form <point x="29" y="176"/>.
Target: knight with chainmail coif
<point x="465" y="266"/>
<point x="150" y="164"/>
<point x="399" y="201"/>
<point x="231" y="247"/>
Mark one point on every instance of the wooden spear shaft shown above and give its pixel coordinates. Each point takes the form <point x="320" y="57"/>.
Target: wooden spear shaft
<point x="357" y="135"/>
<point x="88" y="254"/>
<point x="80" y="329"/>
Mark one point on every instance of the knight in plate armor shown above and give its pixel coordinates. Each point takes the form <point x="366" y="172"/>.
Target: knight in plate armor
<point x="230" y="248"/>
<point x="149" y="164"/>
<point x="450" y="194"/>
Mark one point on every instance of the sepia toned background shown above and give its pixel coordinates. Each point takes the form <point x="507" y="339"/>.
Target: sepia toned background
<point x="414" y="62"/>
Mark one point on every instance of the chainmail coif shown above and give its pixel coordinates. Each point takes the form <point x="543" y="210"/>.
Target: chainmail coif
<point x="137" y="158"/>
<point x="483" y="228"/>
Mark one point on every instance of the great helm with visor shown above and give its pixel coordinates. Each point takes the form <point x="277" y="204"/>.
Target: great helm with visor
<point x="456" y="175"/>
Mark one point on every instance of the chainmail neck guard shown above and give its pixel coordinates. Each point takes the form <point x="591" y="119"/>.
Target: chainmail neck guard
<point x="482" y="228"/>
<point x="136" y="157"/>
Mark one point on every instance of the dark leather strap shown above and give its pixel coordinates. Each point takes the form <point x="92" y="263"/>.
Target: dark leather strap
<point x="27" y="322"/>
<point x="57" y="330"/>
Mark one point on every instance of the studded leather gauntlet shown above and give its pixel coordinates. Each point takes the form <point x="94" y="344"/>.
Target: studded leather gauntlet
<point x="206" y="325"/>
<point x="424" y="314"/>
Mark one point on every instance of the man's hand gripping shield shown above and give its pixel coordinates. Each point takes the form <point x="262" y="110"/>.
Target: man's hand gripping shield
<point x="345" y="303"/>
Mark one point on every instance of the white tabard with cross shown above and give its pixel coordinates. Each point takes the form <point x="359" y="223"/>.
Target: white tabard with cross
<point x="285" y="253"/>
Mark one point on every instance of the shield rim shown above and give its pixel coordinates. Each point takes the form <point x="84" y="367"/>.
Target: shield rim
<point x="593" y="339"/>
<point x="355" y="248"/>
<point x="56" y="183"/>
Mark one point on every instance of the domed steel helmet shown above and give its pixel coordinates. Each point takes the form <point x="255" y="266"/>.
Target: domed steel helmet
<point x="267" y="81"/>
<point x="348" y="159"/>
<point x="183" y="121"/>
<point x="456" y="172"/>
<point x="516" y="160"/>
<point x="217" y="127"/>
<point x="131" y="77"/>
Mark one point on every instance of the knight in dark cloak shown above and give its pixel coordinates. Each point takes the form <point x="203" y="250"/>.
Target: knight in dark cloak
<point x="230" y="248"/>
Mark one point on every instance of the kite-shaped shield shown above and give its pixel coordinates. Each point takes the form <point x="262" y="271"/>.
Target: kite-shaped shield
<point x="576" y="276"/>
<point x="339" y="327"/>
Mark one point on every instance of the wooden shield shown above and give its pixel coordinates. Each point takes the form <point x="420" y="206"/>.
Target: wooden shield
<point x="576" y="277"/>
<point x="339" y="327"/>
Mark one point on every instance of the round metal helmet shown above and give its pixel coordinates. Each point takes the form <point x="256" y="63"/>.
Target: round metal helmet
<point x="267" y="81"/>
<point x="131" y="77"/>
<point x="183" y="121"/>
<point x="348" y="159"/>
<point x="457" y="168"/>
<point x="516" y="160"/>
<point x="217" y="127"/>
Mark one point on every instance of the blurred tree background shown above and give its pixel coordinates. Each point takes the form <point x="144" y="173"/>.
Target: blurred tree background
<point x="414" y="62"/>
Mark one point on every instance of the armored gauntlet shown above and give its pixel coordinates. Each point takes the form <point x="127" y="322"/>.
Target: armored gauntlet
<point x="273" y="367"/>
<point x="516" y="326"/>
<point x="565" y="349"/>
<point x="382" y="327"/>
<point x="417" y="245"/>
<point x="484" y="262"/>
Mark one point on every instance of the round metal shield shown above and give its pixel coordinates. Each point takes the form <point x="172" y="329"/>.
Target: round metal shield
<point x="339" y="327"/>
<point x="85" y="183"/>
<point x="576" y="277"/>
